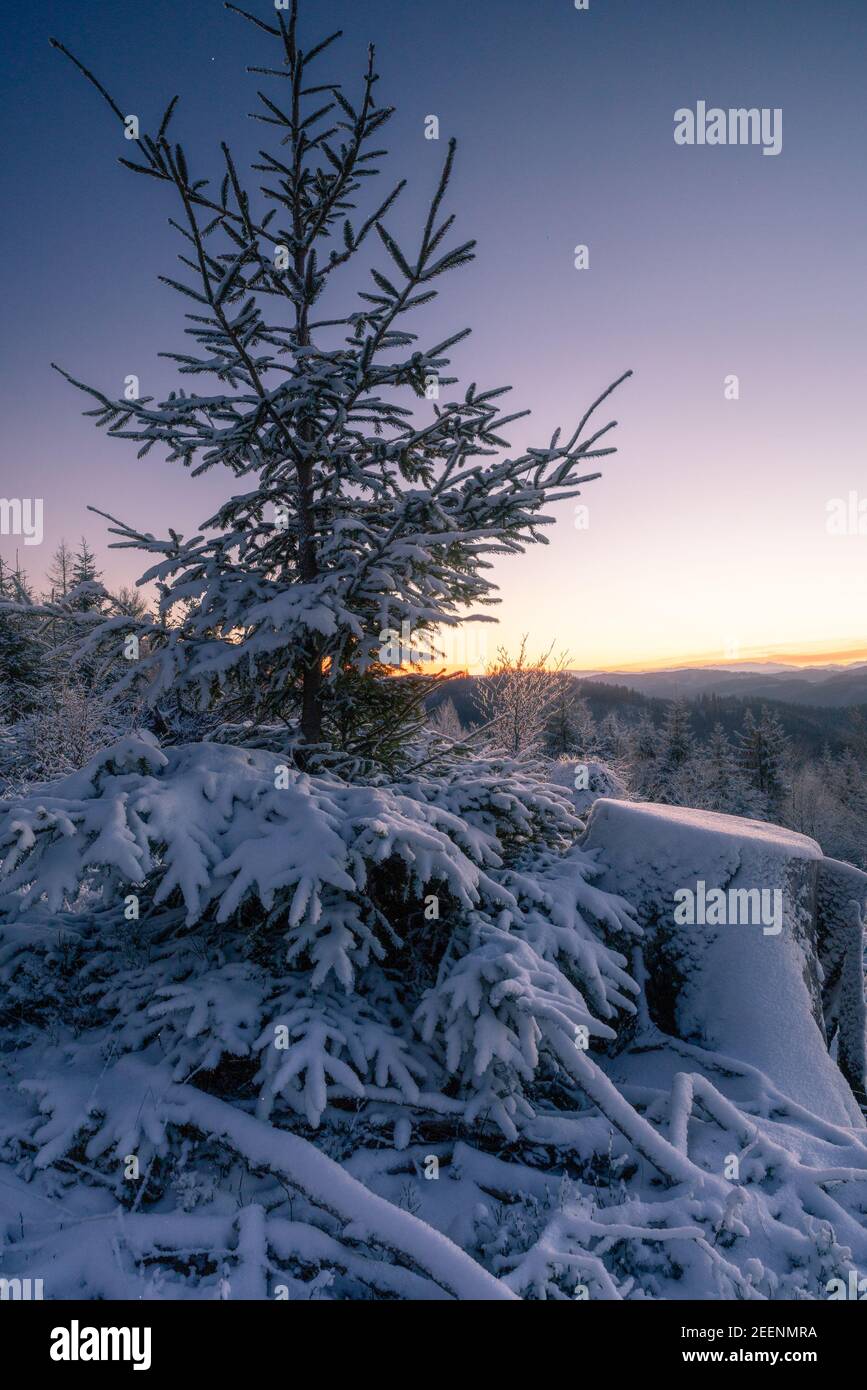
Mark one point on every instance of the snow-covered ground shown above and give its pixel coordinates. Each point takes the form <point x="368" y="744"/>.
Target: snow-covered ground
<point x="546" y="1088"/>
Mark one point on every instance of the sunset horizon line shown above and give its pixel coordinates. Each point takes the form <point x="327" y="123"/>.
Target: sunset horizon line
<point x="849" y="655"/>
<point x="806" y="656"/>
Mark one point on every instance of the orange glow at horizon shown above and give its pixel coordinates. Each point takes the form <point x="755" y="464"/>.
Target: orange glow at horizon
<point x="810" y="654"/>
<point x="805" y="655"/>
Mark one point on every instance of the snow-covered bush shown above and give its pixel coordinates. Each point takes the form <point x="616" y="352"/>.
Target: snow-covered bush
<point x="397" y="961"/>
<point x="411" y="938"/>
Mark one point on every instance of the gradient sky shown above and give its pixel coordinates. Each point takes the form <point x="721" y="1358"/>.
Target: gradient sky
<point x="708" y="532"/>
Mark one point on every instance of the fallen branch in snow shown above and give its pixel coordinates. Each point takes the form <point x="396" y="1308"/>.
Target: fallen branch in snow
<point x="330" y="1187"/>
<point x="689" y="1087"/>
<point x="671" y="1162"/>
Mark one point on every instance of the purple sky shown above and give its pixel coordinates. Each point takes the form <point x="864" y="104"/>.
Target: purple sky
<point x="709" y="532"/>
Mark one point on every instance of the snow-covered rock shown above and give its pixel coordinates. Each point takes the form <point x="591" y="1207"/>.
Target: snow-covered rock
<point x="840" y="912"/>
<point x="731" y="943"/>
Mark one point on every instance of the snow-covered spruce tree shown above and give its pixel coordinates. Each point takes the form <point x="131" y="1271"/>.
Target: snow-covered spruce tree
<point x="763" y="753"/>
<point x="21" y="655"/>
<point x="85" y="578"/>
<point x="446" y="720"/>
<point x="571" y="725"/>
<point x="718" y="781"/>
<point x="73" y="706"/>
<point x="365" y="510"/>
<point x="25" y="675"/>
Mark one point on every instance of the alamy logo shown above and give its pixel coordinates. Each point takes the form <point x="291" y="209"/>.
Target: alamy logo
<point x="847" y="516"/>
<point x="739" y="125"/>
<point x="20" y="1289"/>
<point x="22" y="516"/>
<point x="76" y="1343"/>
<point x="855" y="1290"/>
<point x="739" y="907"/>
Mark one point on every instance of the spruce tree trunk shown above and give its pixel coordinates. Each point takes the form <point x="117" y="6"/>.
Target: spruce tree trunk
<point x="311" y="697"/>
<point x="311" y="704"/>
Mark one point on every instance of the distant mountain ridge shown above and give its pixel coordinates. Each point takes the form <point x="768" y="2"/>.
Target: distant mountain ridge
<point x="832" y="686"/>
